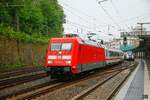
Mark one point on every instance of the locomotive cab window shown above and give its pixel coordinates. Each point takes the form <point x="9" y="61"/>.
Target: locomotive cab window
<point x="55" y="46"/>
<point x="61" y="46"/>
<point x="66" y="46"/>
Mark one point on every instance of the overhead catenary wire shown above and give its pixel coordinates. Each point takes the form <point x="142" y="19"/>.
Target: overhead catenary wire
<point x="83" y="26"/>
<point x="136" y="17"/>
<point x="75" y="9"/>
<point x="79" y="26"/>
<point x="145" y="15"/>
<point x="117" y="11"/>
<point x="115" y="8"/>
<point x="108" y="15"/>
<point x="122" y="21"/>
<point x="81" y="13"/>
<point x="75" y="24"/>
<point x="83" y="19"/>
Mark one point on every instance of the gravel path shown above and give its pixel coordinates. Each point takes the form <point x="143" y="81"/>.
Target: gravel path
<point x="103" y="92"/>
<point x="70" y="91"/>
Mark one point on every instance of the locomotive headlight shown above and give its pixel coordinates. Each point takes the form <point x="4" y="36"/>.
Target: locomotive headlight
<point x="66" y="57"/>
<point x="52" y="57"/>
<point x="49" y="62"/>
<point x="68" y="62"/>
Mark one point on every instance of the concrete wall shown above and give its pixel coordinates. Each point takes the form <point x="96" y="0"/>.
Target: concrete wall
<point x="14" y="52"/>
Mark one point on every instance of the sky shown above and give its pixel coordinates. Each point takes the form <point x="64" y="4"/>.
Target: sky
<point x="106" y="18"/>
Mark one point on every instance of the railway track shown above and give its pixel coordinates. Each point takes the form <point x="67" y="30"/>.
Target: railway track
<point x="88" y="93"/>
<point x="12" y="73"/>
<point x="13" y="81"/>
<point x="40" y="91"/>
<point x="17" y="77"/>
<point x="26" y="87"/>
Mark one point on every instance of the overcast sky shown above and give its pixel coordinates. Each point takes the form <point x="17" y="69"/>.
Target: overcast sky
<point x="107" y="17"/>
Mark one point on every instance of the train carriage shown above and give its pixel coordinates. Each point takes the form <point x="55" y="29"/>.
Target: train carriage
<point x="113" y="56"/>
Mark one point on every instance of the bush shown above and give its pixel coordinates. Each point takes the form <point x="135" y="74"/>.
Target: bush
<point x="8" y="32"/>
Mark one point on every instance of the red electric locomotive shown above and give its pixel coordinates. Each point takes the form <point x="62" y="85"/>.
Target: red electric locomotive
<point x="70" y="55"/>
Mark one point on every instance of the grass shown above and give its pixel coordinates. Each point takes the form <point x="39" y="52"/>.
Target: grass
<point x="5" y="67"/>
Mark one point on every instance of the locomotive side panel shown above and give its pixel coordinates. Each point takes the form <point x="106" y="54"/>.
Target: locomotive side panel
<point x="74" y="55"/>
<point x="90" y="57"/>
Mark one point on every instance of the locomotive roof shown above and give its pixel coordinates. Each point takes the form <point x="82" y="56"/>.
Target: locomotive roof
<point x="65" y="39"/>
<point x="81" y="41"/>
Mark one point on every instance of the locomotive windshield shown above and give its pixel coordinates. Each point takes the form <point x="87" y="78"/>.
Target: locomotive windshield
<point x="61" y="46"/>
<point x="66" y="46"/>
<point x="55" y="46"/>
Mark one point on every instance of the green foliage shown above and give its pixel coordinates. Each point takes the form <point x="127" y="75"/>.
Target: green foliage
<point x="31" y="17"/>
<point x="5" y="67"/>
<point x="8" y="31"/>
<point x="4" y="15"/>
<point x="53" y="16"/>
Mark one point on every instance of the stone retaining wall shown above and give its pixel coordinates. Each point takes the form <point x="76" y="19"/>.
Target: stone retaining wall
<point x="14" y="52"/>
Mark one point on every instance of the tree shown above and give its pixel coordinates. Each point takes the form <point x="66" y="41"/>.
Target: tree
<point x="4" y="15"/>
<point x="53" y="16"/>
<point x="31" y="18"/>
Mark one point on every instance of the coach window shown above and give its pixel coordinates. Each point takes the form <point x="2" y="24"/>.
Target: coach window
<point x="107" y="53"/>
<point x="114" y="53"/>
<point x="110" y="53"/>
<point x="118" y="54"/>
<point x="66" y="46"/>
